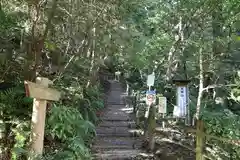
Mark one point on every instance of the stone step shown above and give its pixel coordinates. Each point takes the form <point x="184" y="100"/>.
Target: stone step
<point x="117" y="111"/>
<point x="114" y="135"/>
<point x="117" y="138"/>
<point x="118" y="89"/>
<point x="114" y="111"/>
<point x="114" y="104"/>
<point x="117" y="143"/>
<point x="110" y="132"/>
<point x="129" y="124"/>
<point x="117" y="154"/>
<point x="127" y="110"/>
<point x="116" y="118"/>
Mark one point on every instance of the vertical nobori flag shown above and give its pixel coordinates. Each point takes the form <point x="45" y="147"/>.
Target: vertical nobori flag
<point x="182" y="101"/>
<point x="180" y="110"/>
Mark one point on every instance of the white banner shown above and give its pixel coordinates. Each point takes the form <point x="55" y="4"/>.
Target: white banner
<point x="181" y="109"/>
<point x="151" y="79"/>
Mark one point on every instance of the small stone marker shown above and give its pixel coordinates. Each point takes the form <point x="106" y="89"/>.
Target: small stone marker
<point x="41" y="93"/>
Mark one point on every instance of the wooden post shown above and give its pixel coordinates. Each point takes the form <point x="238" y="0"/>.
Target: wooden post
<point x="41" y="93"/>
<point x="135" y="104"/>
<point x="151" y="127"/>
<point x="150" y="100"/>
<point x="145" y="130"/>
<point x="38" y="119"/>
<point x="199" y="140"/>
<point x="163" y="122"/>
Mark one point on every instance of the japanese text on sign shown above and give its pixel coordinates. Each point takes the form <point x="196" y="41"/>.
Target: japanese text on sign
<point x="181" y="109"/>
<point x="162" y="107"/>
<point x="150" y="97"/>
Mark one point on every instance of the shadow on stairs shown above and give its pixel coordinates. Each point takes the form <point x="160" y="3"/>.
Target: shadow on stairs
<point x="117" y="138"/>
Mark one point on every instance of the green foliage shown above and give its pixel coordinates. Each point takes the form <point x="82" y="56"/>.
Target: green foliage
<point x="227" y="125"/>
<point x="66" y="124"/>
<point x="134" y="79"/>
<point x="136" y="37"/>
<point x="223" y="124"/>
<point x="15" y="109"/>
<point x="7" y="22"/>
<point x="94" y="95"/>
<point x="71" y="125"/>
<point x="22" y="133"/>
<point x="14" y="102"/>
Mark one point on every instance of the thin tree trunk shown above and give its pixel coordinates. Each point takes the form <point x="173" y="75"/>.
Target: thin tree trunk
<point x="199" y="135"/>
<point x="173" y="49"/>
<point x="38" y="35"/>
<point x="218" y="51"/>
<point x="91" y="70"/>
<point x="201" y="79"/>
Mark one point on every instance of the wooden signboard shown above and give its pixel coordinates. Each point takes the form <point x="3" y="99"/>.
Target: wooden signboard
<point x="180" y="110"/>
<point x="162" y="106"/>
<point x="150" y="100"/>
<point x="41" y="93"/>
<point x="150" y="97"/>
<point x="150" y="80"/>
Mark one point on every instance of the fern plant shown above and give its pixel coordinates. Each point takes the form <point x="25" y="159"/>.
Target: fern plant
<point x="15" y="112"/>
<point x="67" y="124"/>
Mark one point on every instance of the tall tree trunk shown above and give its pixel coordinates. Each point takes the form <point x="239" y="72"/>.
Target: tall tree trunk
<point x="38" y="36"/>
<point x="172" y="51"/>
<point x="218" y="51"/>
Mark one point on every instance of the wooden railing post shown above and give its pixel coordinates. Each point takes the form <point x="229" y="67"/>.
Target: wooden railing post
<point x="199" y="140"/>
<point x="135" y="104"/>
<point x="151" y="127"/>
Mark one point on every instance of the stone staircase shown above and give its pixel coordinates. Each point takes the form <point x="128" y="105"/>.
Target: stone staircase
<point x="116" y="134"/>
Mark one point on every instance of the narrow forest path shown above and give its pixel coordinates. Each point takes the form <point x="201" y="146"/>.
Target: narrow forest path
<point x="116" y="138"/>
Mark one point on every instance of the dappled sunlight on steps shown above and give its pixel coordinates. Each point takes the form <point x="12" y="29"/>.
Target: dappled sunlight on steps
<point x="117" y="138"/>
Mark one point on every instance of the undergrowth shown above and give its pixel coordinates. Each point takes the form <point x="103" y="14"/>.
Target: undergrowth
<point x="70" y="124"/>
